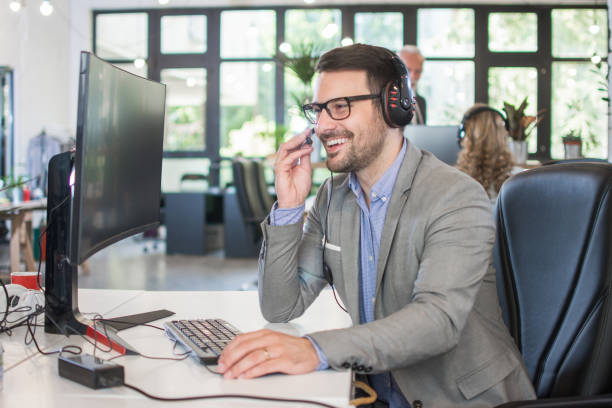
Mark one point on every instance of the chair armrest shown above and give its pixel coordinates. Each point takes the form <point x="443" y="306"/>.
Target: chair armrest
<point x="594" y="401"/>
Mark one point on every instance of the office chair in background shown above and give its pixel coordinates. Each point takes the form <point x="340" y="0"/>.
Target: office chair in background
<point x="554" y="275"/>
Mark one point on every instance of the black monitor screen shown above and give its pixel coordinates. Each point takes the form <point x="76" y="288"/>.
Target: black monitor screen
<point x="118" y="159"/>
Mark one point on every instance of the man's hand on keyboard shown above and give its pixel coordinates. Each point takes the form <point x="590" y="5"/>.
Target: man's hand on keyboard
<point x="265" y="351"/>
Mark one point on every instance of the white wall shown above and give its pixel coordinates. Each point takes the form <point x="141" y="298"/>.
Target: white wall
<point x="44" y="53"/>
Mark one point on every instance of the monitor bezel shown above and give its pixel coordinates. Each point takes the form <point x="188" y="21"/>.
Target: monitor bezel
<point x="75" y="230"/>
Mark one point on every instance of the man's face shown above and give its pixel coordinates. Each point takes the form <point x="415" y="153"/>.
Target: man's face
<point x="414" y="63"/>
<point x="353" y="143"/>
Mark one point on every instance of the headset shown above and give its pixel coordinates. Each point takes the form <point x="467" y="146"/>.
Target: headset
<point x="22" y="302"/>
<point x="397" y="98"/>
<point x="461" y="131"/>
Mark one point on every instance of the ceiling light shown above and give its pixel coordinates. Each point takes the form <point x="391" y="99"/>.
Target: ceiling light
<point x="346" y="41"/>
<point x="15" y="5"/>
<point x="163" y="2"/>
<point x="285" y="48"/>
<point x="309" y="1"/>
<point x="594" y="29"/>
<point x="139" y="63"/>
<point x="46" y="8"/>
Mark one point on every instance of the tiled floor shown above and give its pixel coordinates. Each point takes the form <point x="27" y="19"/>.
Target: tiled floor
<point x="127" y="265"/>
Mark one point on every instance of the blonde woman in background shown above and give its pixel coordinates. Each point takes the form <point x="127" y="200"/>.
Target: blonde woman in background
<point x="484" y="155"/>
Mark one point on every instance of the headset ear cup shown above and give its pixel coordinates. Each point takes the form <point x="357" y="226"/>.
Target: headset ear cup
<point x="384" y="104"/>
<point x="393" y="112"/>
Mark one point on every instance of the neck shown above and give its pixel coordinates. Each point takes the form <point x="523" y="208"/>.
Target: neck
<point x="370" y="175"/>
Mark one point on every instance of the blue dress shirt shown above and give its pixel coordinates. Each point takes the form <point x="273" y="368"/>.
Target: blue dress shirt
<point x="372" y="222"/>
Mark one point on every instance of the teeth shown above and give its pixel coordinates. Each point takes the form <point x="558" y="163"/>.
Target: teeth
<point x="336" y="141"/>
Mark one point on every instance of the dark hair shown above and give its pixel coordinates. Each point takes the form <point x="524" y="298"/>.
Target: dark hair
<point x="375" y="61"/>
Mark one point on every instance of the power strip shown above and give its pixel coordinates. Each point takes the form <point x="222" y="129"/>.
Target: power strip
<point x="90" y="371"/>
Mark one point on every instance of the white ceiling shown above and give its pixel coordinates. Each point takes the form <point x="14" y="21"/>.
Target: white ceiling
<point x="122" y="4"/>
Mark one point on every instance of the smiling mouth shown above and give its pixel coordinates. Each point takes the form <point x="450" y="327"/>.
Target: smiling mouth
<point x="335" y="144"/>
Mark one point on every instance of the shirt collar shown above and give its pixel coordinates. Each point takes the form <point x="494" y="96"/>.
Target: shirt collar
<point x="384" y="186"/>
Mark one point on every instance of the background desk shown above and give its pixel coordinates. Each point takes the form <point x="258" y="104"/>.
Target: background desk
<point x="31" y="379"/>
<point x="20" y="216"/>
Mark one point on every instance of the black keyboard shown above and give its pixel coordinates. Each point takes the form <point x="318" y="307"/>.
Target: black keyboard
<point x="206" y="338"/>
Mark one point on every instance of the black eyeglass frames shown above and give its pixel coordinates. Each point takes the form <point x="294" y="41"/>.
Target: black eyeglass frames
<point x="337" y="108"/>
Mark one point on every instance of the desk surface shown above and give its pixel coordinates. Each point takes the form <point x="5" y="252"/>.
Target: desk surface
<point x="26" y="370"/>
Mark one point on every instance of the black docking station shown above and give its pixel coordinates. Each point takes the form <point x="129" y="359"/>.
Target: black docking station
<point x="90" y="371"/>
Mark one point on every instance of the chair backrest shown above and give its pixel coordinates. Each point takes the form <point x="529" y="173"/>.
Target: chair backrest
<point x="266" y="198"/>
<point x="552" y="255"/>
<point x="247" y="190"/>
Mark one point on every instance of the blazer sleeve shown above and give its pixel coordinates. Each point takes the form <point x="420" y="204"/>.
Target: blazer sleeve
<point x="290" y="265"/>
<point x="457" y="249"/>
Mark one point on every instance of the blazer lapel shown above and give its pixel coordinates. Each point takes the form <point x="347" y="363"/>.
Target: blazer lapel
<point x="349" y="236"/>
<point x="401" y="190"/>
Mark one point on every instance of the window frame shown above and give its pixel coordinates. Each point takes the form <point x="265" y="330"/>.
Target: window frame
<point x="484" y="59"/>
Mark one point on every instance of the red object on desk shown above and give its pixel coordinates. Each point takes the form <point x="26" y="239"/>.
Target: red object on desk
<point x="26" y="194"/>
<point x="99" y="337"/>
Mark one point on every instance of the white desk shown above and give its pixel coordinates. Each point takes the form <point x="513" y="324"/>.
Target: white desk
<point x="31" y="379"/>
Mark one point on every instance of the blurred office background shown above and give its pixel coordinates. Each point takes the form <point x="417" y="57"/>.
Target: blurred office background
<point x="228" y="96"/>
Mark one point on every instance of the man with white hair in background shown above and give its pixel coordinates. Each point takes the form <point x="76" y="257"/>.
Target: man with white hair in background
<point x="413" y="59"/>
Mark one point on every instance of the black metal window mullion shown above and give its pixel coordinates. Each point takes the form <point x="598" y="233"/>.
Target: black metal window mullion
<point x="544" y="82"/>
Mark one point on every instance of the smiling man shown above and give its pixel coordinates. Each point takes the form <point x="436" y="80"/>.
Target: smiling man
<point x="407" y="242"/>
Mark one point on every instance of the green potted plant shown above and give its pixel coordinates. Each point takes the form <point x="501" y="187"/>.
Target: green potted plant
<point x="301" y="61"/>
<point x="520" y="127"/>
<point x="578" y="130"/>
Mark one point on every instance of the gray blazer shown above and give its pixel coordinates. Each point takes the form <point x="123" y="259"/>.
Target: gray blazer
<point x="438" y="326"/>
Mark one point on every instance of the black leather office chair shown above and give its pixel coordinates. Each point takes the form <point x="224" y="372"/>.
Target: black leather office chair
<point x="266" y="198"/>
<point x="579" y="160"/>
<point x="251" y="208"/>
<point x="554" y="275"/>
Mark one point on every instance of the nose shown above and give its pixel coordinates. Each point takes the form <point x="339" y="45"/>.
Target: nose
<point x="325" y="122"/>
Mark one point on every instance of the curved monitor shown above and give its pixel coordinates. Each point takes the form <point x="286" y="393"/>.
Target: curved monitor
<point x="118" y="158"/>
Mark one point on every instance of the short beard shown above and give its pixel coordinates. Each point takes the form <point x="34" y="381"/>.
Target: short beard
<point x="359" y="158"/>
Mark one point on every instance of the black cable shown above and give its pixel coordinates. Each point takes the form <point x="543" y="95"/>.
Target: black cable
<point x="227" y="396"/>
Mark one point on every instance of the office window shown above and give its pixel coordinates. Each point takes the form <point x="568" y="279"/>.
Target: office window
<point x="317" y="31"/>
<point x="185" y="108"/>
<point x="448" y="87"/>
<point x="513" y="32"/>
<point x="446" y="32"/>
<point x="321" y="27"/>
<point x="512" y="85"/>
<point x="248" y="34"/>
<point x="173" y="170"/>
<point x="382" y="29"/>
<point x="579" y="33"/>
<point x="577" y="107"/>
<point x="112" y="30"/>
<point x="183" y="34"/>
<point x="247" y="109"/>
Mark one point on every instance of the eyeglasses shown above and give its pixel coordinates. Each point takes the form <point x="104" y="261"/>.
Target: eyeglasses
<point x="337" y="108"/>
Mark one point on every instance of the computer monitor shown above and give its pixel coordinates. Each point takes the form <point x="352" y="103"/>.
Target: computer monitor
<point x="109" y="187"/>
<point x="439" y="140"/>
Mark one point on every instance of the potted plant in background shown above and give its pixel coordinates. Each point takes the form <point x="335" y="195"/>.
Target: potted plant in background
<point x="578" y="129"/>
<point x="520" y="127"/>
<point x="301" y="60"/>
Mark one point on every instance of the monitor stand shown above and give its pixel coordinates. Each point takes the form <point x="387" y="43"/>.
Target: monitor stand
<point x="62" y="313"/>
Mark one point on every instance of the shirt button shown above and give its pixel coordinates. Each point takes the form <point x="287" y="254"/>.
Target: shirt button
<point x="373" y="300"/>
<point x="373" y="194"/>
<point x="384" y="199"/>
<point x="371" y="258"/>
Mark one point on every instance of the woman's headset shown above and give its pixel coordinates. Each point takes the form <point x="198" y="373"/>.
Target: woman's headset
<point x="461" y="131"/>
<point x="397" y="98"/>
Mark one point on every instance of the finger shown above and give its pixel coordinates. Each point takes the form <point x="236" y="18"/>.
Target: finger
<point x="251" y="360"/>
<point x="295" y="141"/>
<point x="240" y="347"/>
<point x="291" y="158"/>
